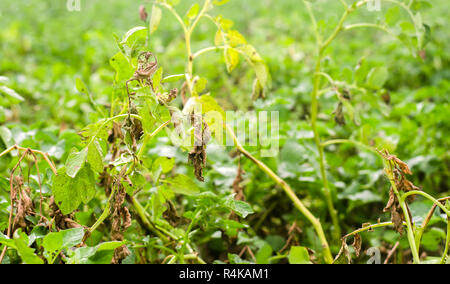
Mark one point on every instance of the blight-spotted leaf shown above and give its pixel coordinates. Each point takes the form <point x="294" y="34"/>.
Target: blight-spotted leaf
<point x="70" y="192"/>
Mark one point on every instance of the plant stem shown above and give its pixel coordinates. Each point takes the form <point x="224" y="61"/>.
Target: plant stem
<point x="104" y="215"/>
<point x="43" y="154"/>
<point x="426" y="195"/>
<point x="314" y="112"/>
<point x="348" y="141"/>
<point x="409" y="225"/>
<point x="207" y="49"/>
<point x="142" y="214"/>
<point x="290" y="193"/>
<point x="419" y="234"/>
<point x="374" y="226"/>
<point x="149" y="137"/>
<point x="447" y="243"/>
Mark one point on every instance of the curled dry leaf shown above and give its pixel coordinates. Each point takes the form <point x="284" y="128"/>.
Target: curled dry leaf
<point x="171" y="214"/>
<point x="24" y="208"/>
<point x="121" y="220"/>
<point x="344" y="251"/>
<point x="115" y="133"/>
<point x="339" y="114"/>
<point x="197" y="156"/>
<point x="61" y="221"/>
<point x="357" y="242"/>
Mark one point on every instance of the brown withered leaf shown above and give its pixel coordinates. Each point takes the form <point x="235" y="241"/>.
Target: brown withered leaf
<point x="121" y="220"/>
<point x="403" y="166"/>
<point x="397" y="216"/>
<point x="171" y="214"/>
<point x="344" y="251"/>
<point x="392" y="199"/>
<point x="61" y="221"/>
<point x="143" y="13"/>
<point x="24" y="209"/>
<point x="339" y="114"/>
<point x="198" y="159"/>
<point x="197" y="156"/>
<point x="357" y="242"/>
<point x="115" y="133"/>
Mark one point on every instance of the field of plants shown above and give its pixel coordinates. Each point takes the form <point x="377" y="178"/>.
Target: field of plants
<point x="224" y="132"/>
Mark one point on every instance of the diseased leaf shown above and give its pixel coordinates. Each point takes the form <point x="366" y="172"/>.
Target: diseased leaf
<point x="81" y="86"/>
<point x="70" y="192"/>
<point x="357" y="242"/>
<point x="123" y="68"/>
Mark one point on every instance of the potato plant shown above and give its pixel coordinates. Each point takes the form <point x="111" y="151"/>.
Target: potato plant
<point x="160" y="174"/>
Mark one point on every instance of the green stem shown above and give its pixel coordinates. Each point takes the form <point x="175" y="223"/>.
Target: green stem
<point x="370" y="227"/>
<point x="194" y="257"/>
<point x="348" y="141"/>
<point x="369" y="25"/>
<point x="447" y="243"/>
<point x="188" y="35"/>
<point x="426" y="195"/>
<point x="290" y="193"/>
<point x="314" y="113"/>
<point x="105" y="213"/>
<point x="208" y="49"/>
<point x="142" y="214"/>
<point x="149" y="137"/>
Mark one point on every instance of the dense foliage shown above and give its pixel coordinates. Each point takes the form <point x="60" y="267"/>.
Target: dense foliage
<point x="106" y="159"/>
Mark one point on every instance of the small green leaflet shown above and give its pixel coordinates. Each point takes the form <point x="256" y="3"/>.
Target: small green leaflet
<point x="299" y="255"/>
